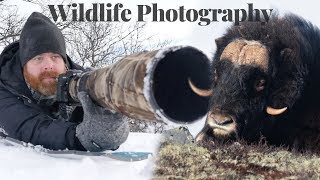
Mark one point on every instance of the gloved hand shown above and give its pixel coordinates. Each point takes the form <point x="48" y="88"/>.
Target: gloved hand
<point x="100" y="129"/>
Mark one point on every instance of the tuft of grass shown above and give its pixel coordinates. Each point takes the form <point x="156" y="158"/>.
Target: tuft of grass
<point x="234" y="161"/>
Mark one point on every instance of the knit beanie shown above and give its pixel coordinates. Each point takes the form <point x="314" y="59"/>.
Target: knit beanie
<point x="40" y="35"/>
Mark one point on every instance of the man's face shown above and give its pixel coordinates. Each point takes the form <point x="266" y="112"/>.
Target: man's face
<point x="41" y="72"/>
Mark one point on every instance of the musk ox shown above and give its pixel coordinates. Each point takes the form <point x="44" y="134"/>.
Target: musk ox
<point x="266" y="82"/>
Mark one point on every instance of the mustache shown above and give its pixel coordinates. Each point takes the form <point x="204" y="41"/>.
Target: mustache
<point x="48" y="74"/>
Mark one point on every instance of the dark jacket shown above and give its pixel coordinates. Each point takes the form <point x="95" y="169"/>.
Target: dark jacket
<point x="22" y="118"/>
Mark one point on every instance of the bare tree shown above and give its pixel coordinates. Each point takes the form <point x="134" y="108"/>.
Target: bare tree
<point x="62" y="25"/>
<point x="97" y="44"/>
<point x="91" y="42"/>
<point x="136" y="40"/>
<point x="10" y="24"/>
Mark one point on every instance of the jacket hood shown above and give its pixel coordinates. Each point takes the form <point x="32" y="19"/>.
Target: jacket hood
<point x="11" y="71"/>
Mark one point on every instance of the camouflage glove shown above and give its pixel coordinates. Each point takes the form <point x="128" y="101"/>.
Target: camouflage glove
<point x="100" y="129"/>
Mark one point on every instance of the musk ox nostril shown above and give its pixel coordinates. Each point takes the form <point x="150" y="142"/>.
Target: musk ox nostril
<point x="224" y="121"/>
<point x="221" y="119"/>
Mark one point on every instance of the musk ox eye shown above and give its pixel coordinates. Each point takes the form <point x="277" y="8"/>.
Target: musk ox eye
<point x="260" y="85"/>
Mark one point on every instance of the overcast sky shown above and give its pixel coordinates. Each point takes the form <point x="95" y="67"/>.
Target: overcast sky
<point x="190" y="33"/>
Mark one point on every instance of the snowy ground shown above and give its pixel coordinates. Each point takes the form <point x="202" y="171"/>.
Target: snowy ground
<point x="29" y="164"/>
<point x="18" y="162"/>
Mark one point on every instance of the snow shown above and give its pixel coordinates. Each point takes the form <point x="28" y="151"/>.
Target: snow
<point x="18" y="162"/>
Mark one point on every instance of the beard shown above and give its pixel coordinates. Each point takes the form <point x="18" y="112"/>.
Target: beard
<point x="39" y="84"/>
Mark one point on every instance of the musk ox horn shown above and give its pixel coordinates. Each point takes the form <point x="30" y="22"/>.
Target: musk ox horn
<point x="243" y="52"/>
<point x="200" y="92"/>
<point x="273" y="111"/>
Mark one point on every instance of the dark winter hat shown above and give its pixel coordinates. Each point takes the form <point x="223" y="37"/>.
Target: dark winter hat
<point x="40" y="35"/>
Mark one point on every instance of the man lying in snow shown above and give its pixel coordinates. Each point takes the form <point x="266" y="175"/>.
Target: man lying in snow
<point x="28" y="108"/>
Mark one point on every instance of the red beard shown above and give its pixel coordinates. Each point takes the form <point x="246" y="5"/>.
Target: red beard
<point x="40" y="84"/>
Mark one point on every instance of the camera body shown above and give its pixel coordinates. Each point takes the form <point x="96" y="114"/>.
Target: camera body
<point x="63" y="87"/>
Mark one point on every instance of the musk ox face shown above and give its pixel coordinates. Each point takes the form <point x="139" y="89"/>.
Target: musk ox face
<point x="241" y="92"/>
<point x="265" y="81"/>
<point x="240" y="89"/>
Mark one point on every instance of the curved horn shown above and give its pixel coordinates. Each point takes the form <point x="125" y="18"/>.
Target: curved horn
<point x="273" y="111"/>
<point x="200" y="92"/>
